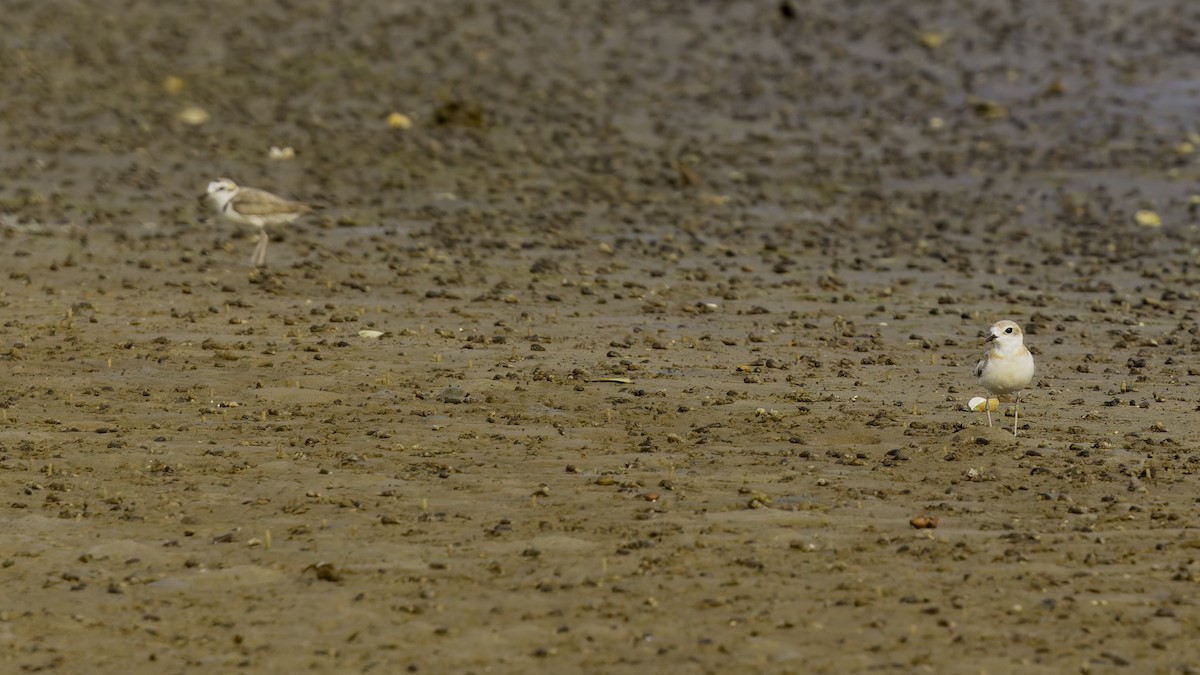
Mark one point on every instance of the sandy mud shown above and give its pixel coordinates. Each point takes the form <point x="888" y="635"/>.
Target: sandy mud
<point x="672" y="310"/>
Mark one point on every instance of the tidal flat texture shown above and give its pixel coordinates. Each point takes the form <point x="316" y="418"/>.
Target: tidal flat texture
<point x="628" y="337"/>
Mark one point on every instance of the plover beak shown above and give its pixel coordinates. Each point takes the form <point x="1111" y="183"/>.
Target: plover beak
<point x="990" y="337"/>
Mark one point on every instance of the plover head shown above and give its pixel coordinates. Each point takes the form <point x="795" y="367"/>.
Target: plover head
<point x="1007" y="334"/>
<point x="220" y="192"/>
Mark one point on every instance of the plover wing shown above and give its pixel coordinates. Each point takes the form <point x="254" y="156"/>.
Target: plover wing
<point x="255" y="202"/>
<point x="979" y="367"/>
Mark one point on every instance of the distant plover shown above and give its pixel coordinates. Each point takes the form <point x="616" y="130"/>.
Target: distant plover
<point x="248" y="206"/>
<point x="1007" y="367"/>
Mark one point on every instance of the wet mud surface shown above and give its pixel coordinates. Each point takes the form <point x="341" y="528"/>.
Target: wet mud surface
<point x="678" y="306"/>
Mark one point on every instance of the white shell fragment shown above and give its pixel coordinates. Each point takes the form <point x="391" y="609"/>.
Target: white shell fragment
<point x="399" y="120"/>
<point x="1147" y="218"/>
<point x="370" y="334"/>
<point x="977" y="404"/>
<point x="193" y="116"/>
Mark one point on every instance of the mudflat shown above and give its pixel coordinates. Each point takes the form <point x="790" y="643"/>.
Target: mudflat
<point x="630" y="336"/>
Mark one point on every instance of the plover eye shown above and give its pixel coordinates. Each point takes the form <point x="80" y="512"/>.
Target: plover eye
<point x="1008" y="330"/>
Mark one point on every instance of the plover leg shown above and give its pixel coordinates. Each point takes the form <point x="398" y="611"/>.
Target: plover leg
<point x="259" y="258"/>
<point x="1016" y="413"/>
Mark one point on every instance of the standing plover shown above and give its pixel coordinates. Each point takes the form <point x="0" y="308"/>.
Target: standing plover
<point x="1007" y="367"/>
<point x="249" y="206"/>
